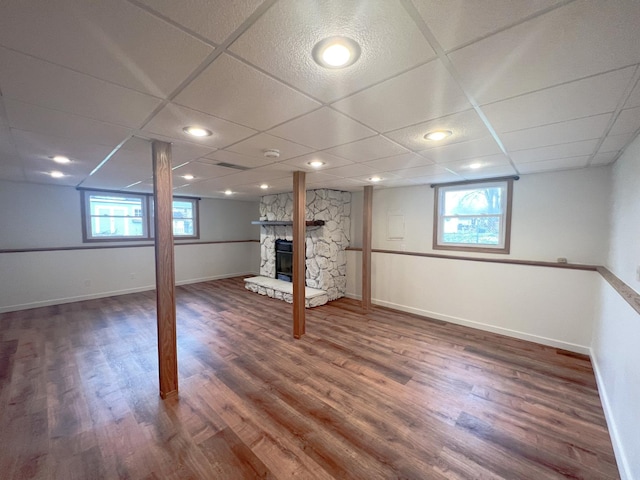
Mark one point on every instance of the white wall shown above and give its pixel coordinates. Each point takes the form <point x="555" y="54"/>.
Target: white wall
<point x="615" y="348"/>
<point x="44" y="216"/>
<point x="562" y="214"/>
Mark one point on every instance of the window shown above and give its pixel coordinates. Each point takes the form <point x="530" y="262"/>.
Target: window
<point x="109" y="216"/>
<point x="473" y="216"/>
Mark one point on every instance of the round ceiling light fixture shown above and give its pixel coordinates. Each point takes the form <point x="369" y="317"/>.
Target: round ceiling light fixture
<point x="375" y="179"/>
<point x="264" y="186"/>
<point x="336" y="52"/>
<point x="475" y="166"/>
<point x="315" y="163"/>
<point x="437" y="135"/>
<point x="228" y="192"/>
<point x="272" y="153"/>
<point x="197" y="131"/>
<point x="188" y="176"/>
<point x="56" y="174"/>
<point x="61" y="159"/>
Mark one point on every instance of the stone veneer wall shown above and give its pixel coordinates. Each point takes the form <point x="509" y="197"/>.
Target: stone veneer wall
<point x="326" y="259"/>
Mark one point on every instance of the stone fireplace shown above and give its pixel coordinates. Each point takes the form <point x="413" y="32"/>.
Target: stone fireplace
<point x="326" y="260"/>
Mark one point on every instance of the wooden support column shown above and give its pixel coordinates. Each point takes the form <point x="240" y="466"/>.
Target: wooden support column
<point x="367" y="210"/>
<point x="299" y="253"/>
<point x="165" y="270"/>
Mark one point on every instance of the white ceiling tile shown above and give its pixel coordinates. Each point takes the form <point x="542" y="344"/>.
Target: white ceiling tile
<point x="34" y="173"/>
<point x="330" y="161"/>
<point x="34" y="81"/>
<point x="32" y="118"/>
<point x="464" y="125"/>
<point x="12" y="171"/>
<point x="462" y="150"/>
<point x="582" y="38"/>
<point x="212" y="19"/>
<point x="613" y="143"/>
<point x="343" y="184"/>
<point x="583" y="98"/>
<point x="627" y="122"/>
<point x="397" y="162"/>
<point x="113" y="40"/>
<point x="255" y="176"/>
<point x="468" y="21"/>
<point x="368" y="149"/>
<point x="282" y="40"/>
<point x="258" y="144"/>
<point x="38" y="150"/>
<point x="477" y="164"/>
<point x="435" y="179"/>
<point x="604" y="158"/>
<point x="423" y="171"/>
<point x="224" y="156"/>
<point x="314" y="178"/>
<point x="634" y="98"/>
<point x="181" y="152"/>
<point x="387" y="179"/>
<point x="489" y="172"/>
<point x="173" y="118"/>
<point x="557" y="164"/>
<point x="574" y="149"/>
<point x="555" y="133"/>
<point x="353" y="170"/>
<point x="234" y="91"/>
<point x="322" y="129"/>
<point x="200" y="171"/>
<point x="424" y="93"/>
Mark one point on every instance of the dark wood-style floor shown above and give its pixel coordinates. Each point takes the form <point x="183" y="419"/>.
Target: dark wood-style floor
<point x="383" y="395"/>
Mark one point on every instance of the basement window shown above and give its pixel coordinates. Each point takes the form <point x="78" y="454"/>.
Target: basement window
<point x="113" y="216"/>
<point x="473" y="216"/>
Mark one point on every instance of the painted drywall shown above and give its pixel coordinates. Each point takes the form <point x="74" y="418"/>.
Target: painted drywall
<point x="559" y="214"/>
<point x="615" y="352"/>
<point x="46" y="216"/>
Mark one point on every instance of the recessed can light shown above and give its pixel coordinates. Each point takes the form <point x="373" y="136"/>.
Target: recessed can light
<point x="264" y="186"/>
<point x="336" y="52"/>
<point x="315" y="163"/>
<point x="197" y="131"/>
<point x="61" y="159"/>
<point x="438" y="135"/>
<point x="375" y="179"/>
<point x="188" y="176"/>
<point x="56" y="174"/>
<point x="228" y="192"/>
<point x="475" y="166"/>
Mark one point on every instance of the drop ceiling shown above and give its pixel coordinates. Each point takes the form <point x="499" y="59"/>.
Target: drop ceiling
<point x="524" y="87"/>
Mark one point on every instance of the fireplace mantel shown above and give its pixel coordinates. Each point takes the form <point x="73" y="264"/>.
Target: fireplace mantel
<point x="310" y="223"/>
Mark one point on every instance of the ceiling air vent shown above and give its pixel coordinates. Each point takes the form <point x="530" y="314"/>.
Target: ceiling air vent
<point x="231" y="165"/>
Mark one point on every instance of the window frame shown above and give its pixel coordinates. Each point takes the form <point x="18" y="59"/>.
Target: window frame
<point x="505" y="229"/>
<point x="147" y="216"/>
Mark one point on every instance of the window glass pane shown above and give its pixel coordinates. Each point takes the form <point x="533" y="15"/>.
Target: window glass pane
<point x="115" y="216"/>
<point x="116" y="227"/>
<point x="473" y="201"/>
<point x="182" y="227"/>
<point x="182" y="209"/>
<point x="121" y="206"/>
<point x="483" y="230"/>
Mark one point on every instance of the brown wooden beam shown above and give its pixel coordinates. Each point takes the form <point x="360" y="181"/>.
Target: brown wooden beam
<point x="165" y="269"/>
<point x="367" y="211"/>
<point x="299" y="251"/>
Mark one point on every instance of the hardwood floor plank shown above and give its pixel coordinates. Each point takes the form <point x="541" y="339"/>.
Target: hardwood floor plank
<point x="374" y="395"/>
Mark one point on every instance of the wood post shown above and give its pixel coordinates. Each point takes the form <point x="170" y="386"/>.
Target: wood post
<point x="367" y="211"/>
<point x="299" y="253"/>
<point x="165" y="269"/>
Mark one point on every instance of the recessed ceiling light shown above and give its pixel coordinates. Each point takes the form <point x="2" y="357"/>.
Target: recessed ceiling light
<point x="315" y="163"/>
<point x="375" y="179"/>
<point x="228" y="192"/>
<point x="336" y="52"/>
<point x="438" y="135"/>
<point x="197" y="131"/>
<point x="475" y="165"/>
<point x="272" y="153"/>
<point x="56" y="174"/>
<point x="61" y="159"/>
<point x="188" y="176"/>
<point x="264" y="186"/>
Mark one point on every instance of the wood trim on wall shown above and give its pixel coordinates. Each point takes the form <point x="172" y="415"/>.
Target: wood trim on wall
<point x="367" y="218"/>
<point x="101" y="247"/>
<point x="165" y="268"/>
<point x="533" y="263"/>
<point x="625" y="291"/>
<point x="299" y="253"/>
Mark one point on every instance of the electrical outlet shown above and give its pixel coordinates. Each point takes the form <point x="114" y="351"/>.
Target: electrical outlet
<point x="562" y="260"/>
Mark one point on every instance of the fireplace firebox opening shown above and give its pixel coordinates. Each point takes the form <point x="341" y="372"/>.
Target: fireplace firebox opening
<point x="284" y="260"/>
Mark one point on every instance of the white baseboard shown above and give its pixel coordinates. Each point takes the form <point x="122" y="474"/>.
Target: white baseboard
<point x="618" y="449"/>
<point x="113" y="293"/>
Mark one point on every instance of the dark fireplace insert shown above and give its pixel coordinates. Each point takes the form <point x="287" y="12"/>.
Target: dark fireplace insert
<point x="284" y="260"/>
